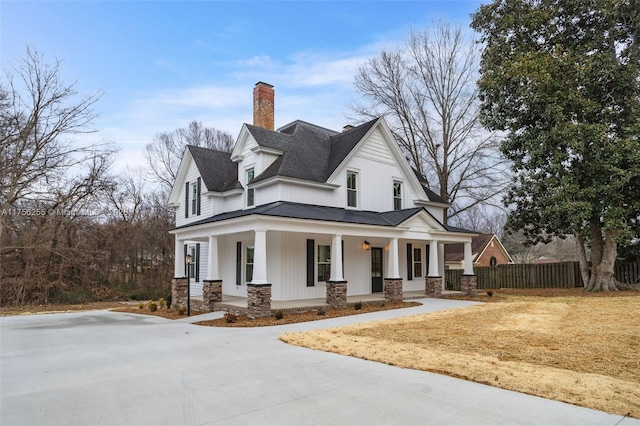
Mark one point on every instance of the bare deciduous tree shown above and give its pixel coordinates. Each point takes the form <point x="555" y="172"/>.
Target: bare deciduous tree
<point x="426" y="89"/>
<point x="163" y="154"/>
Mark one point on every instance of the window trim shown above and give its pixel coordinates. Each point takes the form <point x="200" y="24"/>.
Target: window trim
<point x="251" y="201"/>
<point x="397" y="198"/>
<point x="353" y="190"/>
<point x="194" y="198"/>
<point x="318" y="262"/>
<point x="417" y="260"/>
<point x="246" y="262"/>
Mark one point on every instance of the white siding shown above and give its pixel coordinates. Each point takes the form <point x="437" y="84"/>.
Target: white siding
<point x="205" y="205"/>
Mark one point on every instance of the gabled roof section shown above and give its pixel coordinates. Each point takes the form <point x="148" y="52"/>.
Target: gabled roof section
<point x="479" y="243"/>
<point x="425" y="186"/>
<point x="313" y="212"/>
<point x="218" y="172"/>
<point x="343" y="143"/>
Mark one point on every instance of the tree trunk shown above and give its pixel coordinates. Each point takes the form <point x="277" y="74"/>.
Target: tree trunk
<point x="582" y="259"/>
<point x="603" y="266"/>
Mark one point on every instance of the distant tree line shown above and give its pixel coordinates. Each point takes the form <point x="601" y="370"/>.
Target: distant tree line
<point x="71" y="229"/>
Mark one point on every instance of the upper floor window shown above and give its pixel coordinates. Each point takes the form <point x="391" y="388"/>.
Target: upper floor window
<point x="352" y="189"/>
<point x="194" y="197"/>
<point x="397" y="195"/>
<point x="250" y="194"/>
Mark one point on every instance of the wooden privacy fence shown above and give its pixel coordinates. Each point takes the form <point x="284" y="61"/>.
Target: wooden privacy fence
<point x="526" y="275"/>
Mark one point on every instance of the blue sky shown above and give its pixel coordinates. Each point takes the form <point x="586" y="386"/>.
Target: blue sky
<point x="162" y="64"/>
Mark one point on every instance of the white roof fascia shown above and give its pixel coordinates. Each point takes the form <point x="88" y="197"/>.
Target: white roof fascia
<point x="238" y="148"/>
<point x="185" y="162"/>
<point x="277" y="179"/>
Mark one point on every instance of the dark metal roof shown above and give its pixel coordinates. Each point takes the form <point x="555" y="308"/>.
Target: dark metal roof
<point x="313" y="212"/>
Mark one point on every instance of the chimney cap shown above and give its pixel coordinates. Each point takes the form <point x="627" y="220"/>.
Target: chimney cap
<point x="347" y="127"/>
<point x="262" y="83"/>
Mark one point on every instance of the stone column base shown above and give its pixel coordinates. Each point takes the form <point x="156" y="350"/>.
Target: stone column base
<point x="469" y="285"/>
<point x="393" y="289"/>
<point x="433" y="286"/>
<point x="211" y="291"/>
<point x="337" y="294"/>
<point x="179" y="292"/>
<point x="258" y="300"/>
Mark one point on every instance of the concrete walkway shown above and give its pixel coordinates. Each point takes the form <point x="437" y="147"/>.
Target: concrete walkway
<point x="122" y="369"/>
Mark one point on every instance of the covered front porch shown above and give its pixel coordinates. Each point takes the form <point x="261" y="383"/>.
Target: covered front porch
<point x="239" y="304"/>
<point x="267" y="263"/>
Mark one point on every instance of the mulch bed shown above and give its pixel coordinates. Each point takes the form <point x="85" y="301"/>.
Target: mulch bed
<point x="313" y="315"/>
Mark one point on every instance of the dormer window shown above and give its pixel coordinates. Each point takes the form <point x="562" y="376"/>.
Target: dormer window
<point x="352" y="189"/>
<point x="397" y="195"/>
<point x="250" y="194"/>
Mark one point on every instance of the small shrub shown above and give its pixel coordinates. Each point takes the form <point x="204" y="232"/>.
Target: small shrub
<point x="382" y="305"/>
<point x="149" y="302"/>
<point x="279" y="314"/>
<point x="321" y="311"/>
<point x="168" y="300"/>
<point x="357" y="306"/>
<point x="230" y="317"/>
<point x="489" y="293"/>
<point x="182" y="310"/>
<point x="153" y="307"/>
<point x="161" y="303"/>
<point x="140" y="305"/>
<point x="449" y="285"/>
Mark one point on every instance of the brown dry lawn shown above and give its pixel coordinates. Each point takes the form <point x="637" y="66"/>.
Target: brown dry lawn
<point x="580" y="350"/>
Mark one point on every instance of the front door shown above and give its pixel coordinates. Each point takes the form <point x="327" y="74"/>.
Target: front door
<point x="376" y="269"/>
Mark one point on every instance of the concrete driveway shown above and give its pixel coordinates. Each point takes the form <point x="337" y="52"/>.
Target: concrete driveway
<point x="120" y="369"/>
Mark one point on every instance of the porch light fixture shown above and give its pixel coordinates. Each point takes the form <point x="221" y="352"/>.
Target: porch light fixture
<point x="366" y="246"/>
<point x="187" y="261"/>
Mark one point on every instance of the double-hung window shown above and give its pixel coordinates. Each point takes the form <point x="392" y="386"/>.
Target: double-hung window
<point x="250" y="193"/>
<point x="352" y="189"/>
<point x="324" y="263"/>
<point x="397" y="195"/>
<point x="417" y="262"/>
<point x="194" y="198"/>
<point x="248" y="268"/>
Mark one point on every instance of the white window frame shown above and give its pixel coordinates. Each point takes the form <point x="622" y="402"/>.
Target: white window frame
<point x="194" y="260"/>
<point x="417" y="261"/>
<point x="248" y="247"/>
<point x="325" y="262"/>
<point x="397" y="197"/>
<point x="353" y="190"/>
<point x="194" y="198"/>
<point x="251" y="200"/>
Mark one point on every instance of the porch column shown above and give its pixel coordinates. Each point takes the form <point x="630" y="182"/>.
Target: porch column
<point x="433" y="259"/>
<point x="468" y="259"/>
<point x="213" y="271"/>
<point x="336" y="259"/>
<point x="469" y="283"/>
<point x="393" y="283"/>
<point x="178" y="268"/>
<point x="259" y="290"/>
<point x="212" y="286"/>
<point x="260" y="258"/>
<point x="433" y="282"/>
<point x="336" y="296"/>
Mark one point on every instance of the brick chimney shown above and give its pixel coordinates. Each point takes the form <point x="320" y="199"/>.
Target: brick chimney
<point x="263" y="105"/>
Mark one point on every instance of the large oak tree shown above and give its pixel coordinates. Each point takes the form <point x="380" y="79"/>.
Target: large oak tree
<point x="562" y="78"/>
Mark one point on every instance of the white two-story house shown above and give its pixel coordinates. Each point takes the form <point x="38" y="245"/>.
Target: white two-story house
<point x="301" y="208"/>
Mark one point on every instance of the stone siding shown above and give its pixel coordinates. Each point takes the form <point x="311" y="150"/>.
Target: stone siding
<point x="337" y="294"/>
<point x="258" y="300"/>
<point x="433" y="286"/>
<point x="469" y="285"/>
<point x="393" y="289"/>
<point x="178" y="292"/>
<point x="211" y="291"/>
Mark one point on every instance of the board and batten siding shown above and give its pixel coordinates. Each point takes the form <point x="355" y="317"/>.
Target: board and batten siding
<point x="192" y="175"/>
